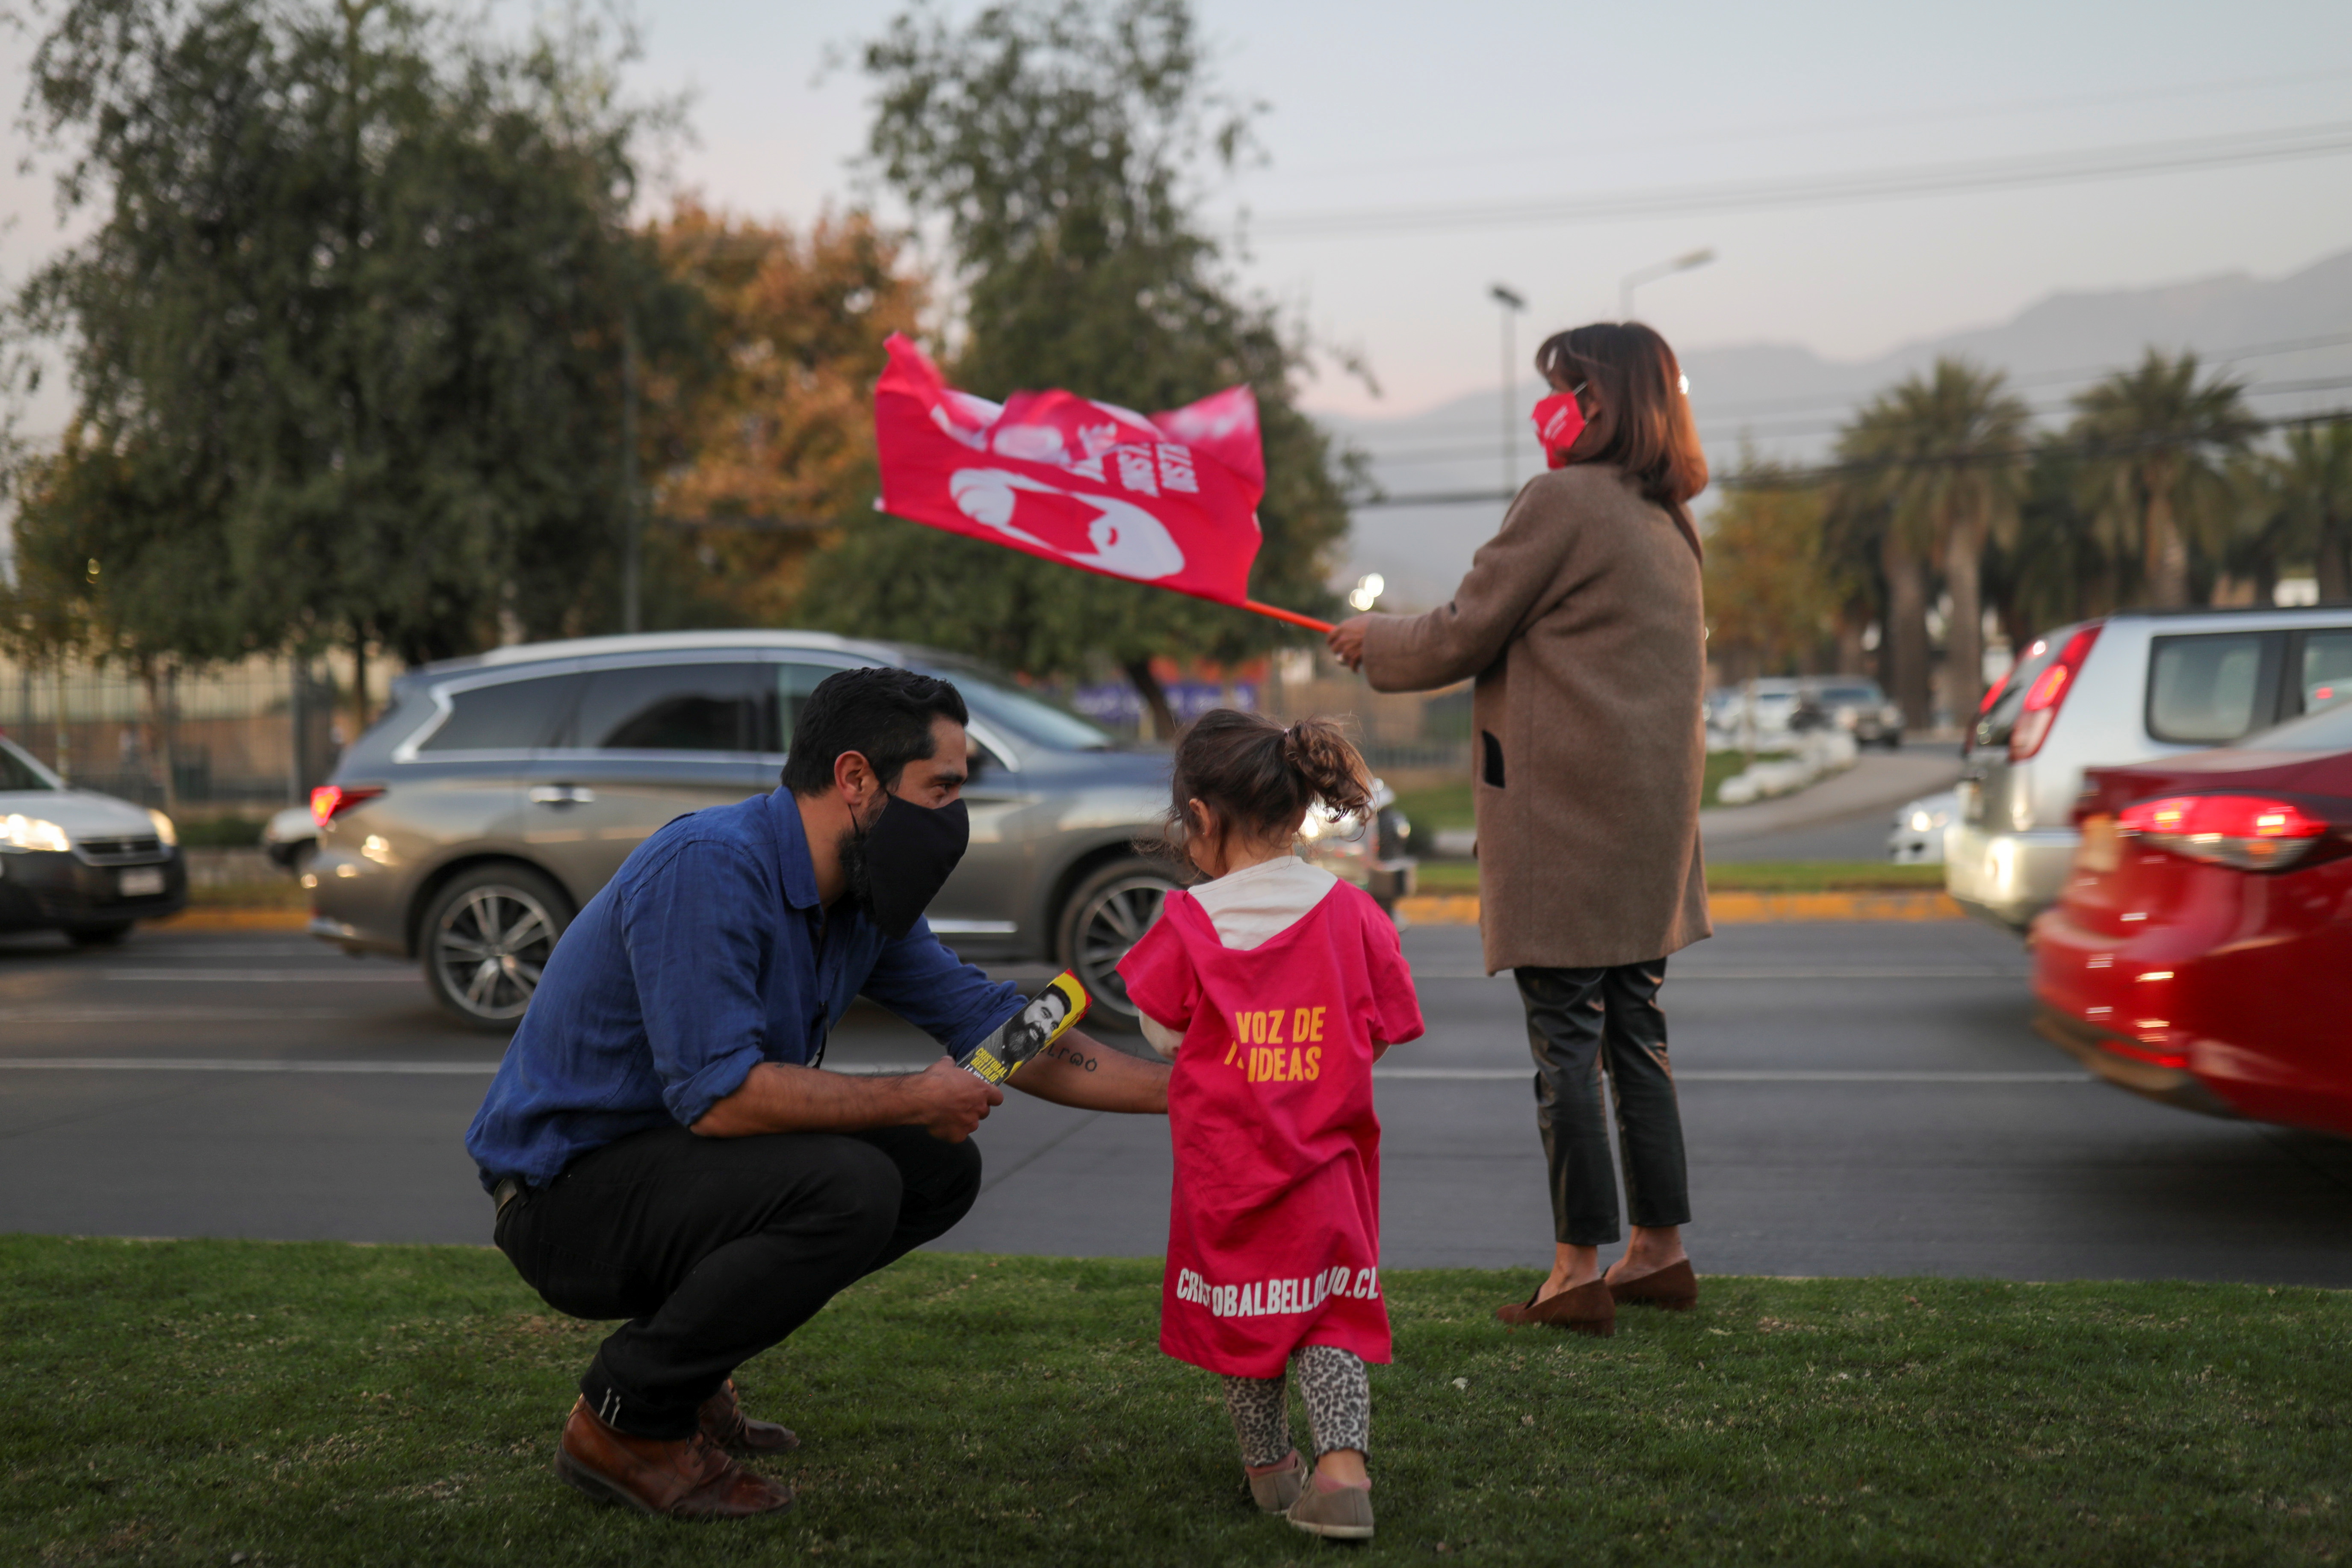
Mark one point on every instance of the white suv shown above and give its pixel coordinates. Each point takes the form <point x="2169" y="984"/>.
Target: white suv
<point x="2137" y="685"/>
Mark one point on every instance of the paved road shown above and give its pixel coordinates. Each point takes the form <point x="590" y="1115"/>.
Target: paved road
<point x="1859" y="1099"/>
<point x="1844" y="817"/>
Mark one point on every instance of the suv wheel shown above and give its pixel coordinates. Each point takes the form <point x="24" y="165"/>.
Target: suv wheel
<point x="1107" y="914"/>
<point x="105" y="935"/>
<point x="486" y="939"/>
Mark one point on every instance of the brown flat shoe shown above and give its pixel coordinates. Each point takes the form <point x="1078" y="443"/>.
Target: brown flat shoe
<point x="684" y="1478"/>
<point x="1675" y="1287"/>
<point x="1587" y="1308"/>
<point x="722" y="1421"/>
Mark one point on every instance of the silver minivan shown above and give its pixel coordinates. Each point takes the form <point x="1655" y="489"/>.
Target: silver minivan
<point x="2129" y="688"/>
<point x="498" y="793"/>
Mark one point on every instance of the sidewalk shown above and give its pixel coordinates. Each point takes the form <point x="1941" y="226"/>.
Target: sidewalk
<point x="1878" y="782"/>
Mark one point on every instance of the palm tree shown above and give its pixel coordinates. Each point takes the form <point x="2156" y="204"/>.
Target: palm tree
<point x="2314" y="480"/>
<point x="2157" y="443"/>
<point x="1941" y="454"/>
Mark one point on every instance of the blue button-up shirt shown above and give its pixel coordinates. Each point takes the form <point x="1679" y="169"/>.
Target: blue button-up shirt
<point x="706" y="954"/>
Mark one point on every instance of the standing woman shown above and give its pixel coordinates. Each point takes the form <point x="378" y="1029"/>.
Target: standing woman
<point x="1581" y="622"/>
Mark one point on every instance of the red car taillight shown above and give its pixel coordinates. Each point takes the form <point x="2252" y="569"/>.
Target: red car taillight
<point x="329" y="801"/>
<point x="2250" y="832"/>
<point x="2047" y="692"/>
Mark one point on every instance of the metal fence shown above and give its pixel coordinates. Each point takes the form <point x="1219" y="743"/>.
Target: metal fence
<point x="241" y="738"/>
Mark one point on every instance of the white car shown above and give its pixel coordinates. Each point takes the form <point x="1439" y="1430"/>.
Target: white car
<point x="2134" y="687"/>
<point x="79" y="862"/>
<point x="1917" y="835"/>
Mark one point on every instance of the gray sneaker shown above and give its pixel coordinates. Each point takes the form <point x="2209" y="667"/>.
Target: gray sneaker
<point x="1344" y="1513"/>
<point x="1275" y="1489"/>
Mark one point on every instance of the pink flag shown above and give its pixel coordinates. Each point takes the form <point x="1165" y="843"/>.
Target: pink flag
<point x="1165" y="499"/>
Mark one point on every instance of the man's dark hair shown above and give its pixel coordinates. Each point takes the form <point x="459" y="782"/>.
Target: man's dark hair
<point x="884" y="715"/>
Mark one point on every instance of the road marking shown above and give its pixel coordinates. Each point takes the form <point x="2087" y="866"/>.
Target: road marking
<point x="1424" y="1075"/>
<point x="341" y="976"/>
<point x="1674" y="974"/>
<point x="1759" y="1074"/>
<point x="171" y="1016"/>
<point x="226" y="1063"/>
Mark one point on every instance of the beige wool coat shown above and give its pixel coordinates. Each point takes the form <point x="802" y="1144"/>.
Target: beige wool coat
<point x="1581" y="621"/>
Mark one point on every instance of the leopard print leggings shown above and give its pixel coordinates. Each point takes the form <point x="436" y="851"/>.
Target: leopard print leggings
<point x="1338" y="1395"/>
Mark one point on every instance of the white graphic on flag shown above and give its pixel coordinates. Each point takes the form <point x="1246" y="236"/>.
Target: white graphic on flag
<point x="1128" y="542"/>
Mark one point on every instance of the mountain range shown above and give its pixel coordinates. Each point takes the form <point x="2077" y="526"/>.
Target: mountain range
<point x="2288" y="339"/>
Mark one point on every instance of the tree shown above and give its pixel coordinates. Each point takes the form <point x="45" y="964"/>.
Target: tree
<point x="2158" y="441"/>
<point x="1053" y="140"/>
<point x="770" y="446"/>
<point x="2311" y="486"/>
<point x="1774" y="587"/>
<point x="352" y="319"/>
<point x="1940" y="454"/>
<point x="2054" y="567"/>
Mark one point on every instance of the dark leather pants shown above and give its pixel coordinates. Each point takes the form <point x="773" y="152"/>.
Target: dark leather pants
<point x="1585" y="1025"/>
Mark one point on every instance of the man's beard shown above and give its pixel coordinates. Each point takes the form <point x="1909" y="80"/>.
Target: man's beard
<point x="851" y="849"/>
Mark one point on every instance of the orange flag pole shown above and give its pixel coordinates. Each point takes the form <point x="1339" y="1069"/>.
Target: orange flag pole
<point x="1293" y="616"/>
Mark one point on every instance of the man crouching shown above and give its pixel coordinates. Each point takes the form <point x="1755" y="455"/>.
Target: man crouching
<point x="660" y="1141"/>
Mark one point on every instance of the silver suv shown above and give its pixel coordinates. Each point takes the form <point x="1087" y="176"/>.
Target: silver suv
<point x="498" y="793"/>
<point x="2104" y="693"/>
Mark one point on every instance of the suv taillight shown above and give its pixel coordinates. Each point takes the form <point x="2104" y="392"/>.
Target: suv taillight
<point x="2250" y="832"/>
<point x="2048" y="693"/>
<point x="330" y="801"/>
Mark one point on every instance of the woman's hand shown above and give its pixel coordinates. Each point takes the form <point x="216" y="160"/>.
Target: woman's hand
<point x="1346" y="641"/>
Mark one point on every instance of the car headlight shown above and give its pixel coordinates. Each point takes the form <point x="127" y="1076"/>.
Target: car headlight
<point x="1929" y="821"/>
<point x="164" y="828"/>
<point x="19" y="832"/>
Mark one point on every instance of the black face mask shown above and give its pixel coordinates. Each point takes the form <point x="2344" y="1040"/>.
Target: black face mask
<point x="897" y="866"/>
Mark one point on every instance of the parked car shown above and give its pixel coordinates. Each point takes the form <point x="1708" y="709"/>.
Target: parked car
<point x="2131" y="688"/>
<point x="2200" y="953"/>
<point x="76" y="861"/>
<point x="1771" y="705"/>
<point x="498" y="793"/>
<point x="290" y="838"/>
<point x="1916" y="836"/>
<point x="1856" y="704"/>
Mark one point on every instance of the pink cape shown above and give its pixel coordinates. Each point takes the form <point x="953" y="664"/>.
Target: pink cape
<point x="1274" y="1226"/>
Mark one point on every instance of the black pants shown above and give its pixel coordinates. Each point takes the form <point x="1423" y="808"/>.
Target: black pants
<point x="1580" y="1023"/>
<point x="716" y="1249"/>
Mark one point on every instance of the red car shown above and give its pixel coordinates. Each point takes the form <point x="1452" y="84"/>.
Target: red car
<point x="2201" y="953"/>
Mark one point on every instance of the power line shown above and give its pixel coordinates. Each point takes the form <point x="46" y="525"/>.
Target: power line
<point x="1413" y="456"/>
<point x="2275" y="145"/>
<point x="1490" y="157"/>
<point x="1797" y="479"/>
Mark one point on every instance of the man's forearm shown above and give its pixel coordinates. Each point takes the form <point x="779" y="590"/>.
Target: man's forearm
<point x="1078" y="1070"/>
<point x="777" y="1097"/>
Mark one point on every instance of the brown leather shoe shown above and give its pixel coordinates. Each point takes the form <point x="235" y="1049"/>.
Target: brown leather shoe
<point x="722" y="1421"/>
<point x="685" y="1477"/>
<point x="1586" y="1309"/>
<point x="1675" y="1287"/>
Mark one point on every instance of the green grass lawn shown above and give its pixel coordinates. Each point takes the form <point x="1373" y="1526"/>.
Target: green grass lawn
<point x="1742" y="877"/>
<point x="186" y="1402"/>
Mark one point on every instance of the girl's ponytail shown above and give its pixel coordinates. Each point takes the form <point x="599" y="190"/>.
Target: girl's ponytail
<point x="1331" y="769"/>
<point x="1260" y="777"/>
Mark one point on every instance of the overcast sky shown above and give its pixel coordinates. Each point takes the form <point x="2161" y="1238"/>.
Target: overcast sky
<point x="1381" y="104"/>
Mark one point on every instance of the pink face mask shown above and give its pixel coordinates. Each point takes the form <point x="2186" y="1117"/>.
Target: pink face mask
<point x="1558" y="422"/>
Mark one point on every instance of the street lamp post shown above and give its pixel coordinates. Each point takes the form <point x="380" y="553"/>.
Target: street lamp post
<point x="1512" y="305"/>
<point x="1650" y="274"/>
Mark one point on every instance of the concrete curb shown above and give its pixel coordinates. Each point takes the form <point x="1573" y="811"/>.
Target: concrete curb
<point x="201" y="920"/>
<point x="1734" y="909"/>
<point x="1420" y="909"/>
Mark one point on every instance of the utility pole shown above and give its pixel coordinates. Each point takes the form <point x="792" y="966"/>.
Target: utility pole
<point x="1512" y="305"/>
<point x="1650" y="274"/>
<point x="632" y="529"/>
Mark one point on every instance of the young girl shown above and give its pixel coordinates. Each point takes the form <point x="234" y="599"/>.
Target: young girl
<point x="1275" y="986"/>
